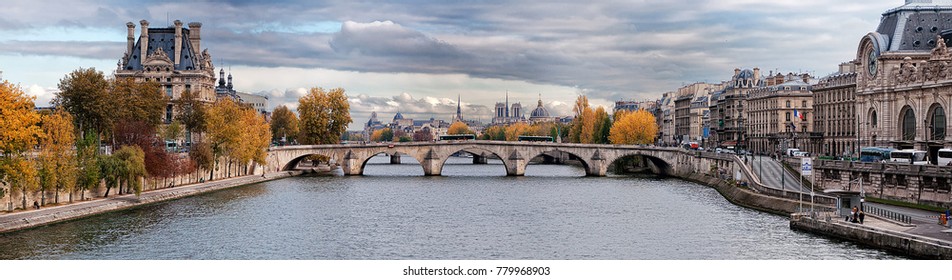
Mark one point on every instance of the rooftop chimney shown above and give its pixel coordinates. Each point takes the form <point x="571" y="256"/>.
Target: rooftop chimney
<point x="144" y="40"/>
<point x="736" y="71"/>
<point x="756" y="75"/>
<point x="131" y="39"/>
<point x="195" y="38"/>
<point x="178" y="42"/>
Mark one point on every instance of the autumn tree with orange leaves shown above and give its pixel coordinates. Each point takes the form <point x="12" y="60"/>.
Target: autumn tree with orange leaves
<point x="459" y="128"/>
<point x="637" y="127"/>
<point x="19" y="133"/>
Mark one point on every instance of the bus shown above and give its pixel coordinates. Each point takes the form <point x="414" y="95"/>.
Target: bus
<point x="909" y="156"/>
<point x="535" y="138"/>
<point x="945" y="157"/>
<point x="458" y="137"/>
<point x="874" y="154"/>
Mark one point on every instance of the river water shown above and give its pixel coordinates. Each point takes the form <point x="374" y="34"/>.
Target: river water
<point x="471" y="212"/>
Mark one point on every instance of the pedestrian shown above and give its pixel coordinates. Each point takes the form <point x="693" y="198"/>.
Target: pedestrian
<point x="852" y="213"/>
<point x="861" y="216"/>
<point x="36" y="205"/>
<point x="855" y="213"/>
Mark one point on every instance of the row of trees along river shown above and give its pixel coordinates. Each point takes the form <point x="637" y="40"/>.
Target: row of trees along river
<point x="108" y="132"/>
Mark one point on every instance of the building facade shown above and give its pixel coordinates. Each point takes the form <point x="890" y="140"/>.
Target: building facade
<point x="728" y="117"/>
<point x="780" y="116"/>
<point x="834" y="108"/>
<point x="904" y="81"/>
<point x="171" y="57"/>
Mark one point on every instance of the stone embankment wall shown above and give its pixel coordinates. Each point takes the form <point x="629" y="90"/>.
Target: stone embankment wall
<point x="45" y="216"/>
<point x="911" y="245"/>
<point x="920" y="184"/>
<point x="13" y="200"/>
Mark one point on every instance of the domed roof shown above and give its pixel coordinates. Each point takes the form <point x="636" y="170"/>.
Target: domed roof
<point x="539" y="111"/>
<point x="745" y="74"/>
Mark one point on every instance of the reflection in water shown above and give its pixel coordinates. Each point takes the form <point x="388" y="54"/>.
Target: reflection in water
<point x="472" y="212"/>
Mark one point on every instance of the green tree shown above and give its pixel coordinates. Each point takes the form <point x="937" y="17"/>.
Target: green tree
<point x="284" y="124"/>
<point x="191" y="113"/>
<point x="88" y="174"/>
<point x="603" y="124"/>
<point x="173" y="131"/>
<point x="138" y="101"/>
<point x="84" y="93"/>
<point x="203" y="157"/>
<point x="130" y="168"/>
<point x="497" y="133"/>
<point x="324" y="116"/>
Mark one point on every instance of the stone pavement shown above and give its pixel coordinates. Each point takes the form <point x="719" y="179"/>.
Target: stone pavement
<point x="918" y="229"/>
<point x="24" y="219"/>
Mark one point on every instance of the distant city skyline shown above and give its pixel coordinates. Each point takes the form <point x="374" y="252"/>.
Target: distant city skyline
<point x="416" y="59"/>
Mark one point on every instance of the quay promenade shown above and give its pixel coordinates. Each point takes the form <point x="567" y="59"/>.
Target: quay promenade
<point x="23" y="219"/>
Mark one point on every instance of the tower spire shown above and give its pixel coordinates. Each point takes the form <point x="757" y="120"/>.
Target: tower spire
<point x="459" y="112"/>
<point x="507" y="103"/>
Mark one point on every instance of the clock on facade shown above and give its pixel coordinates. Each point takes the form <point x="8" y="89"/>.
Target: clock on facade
<point x="871" y="62"/>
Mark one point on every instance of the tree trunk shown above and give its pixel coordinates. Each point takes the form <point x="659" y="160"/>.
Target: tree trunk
<point x="56" y="197"/>
<point x="23" y="194"/>
<point x="71" y="196"/>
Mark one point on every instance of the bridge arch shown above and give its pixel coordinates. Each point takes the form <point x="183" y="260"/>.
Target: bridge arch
<point x="589" y="167"/>
<point x="476" y="152"/>
<point x="657" y="164"/>
<point x="364" y="161"/>
<point x="291" y="164"/>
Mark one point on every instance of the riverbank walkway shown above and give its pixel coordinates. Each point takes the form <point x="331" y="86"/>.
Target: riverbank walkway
<point x="23" y="219"/>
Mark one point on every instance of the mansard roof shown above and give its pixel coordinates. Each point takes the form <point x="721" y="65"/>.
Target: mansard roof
<point x="914" y="26"/>
<point x="164" y="38"/>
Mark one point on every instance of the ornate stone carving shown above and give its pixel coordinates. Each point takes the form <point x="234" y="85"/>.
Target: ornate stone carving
<point x="907" y="71"/>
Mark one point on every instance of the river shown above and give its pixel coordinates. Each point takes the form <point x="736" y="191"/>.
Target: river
<point x="471" y="212"/>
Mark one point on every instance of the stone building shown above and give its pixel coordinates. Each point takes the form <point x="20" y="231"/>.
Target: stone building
<point x="506" y="114"/>
<point x="171" y="57"/>
<point x="665" y="118"/>
<point x="904" y="85"/>
<point x="540" y="114"/>
<point x="780" y="116"/>
<point x="834" y="122"/>
<point x="727" y="112"/>
<point x="687" y="126"/>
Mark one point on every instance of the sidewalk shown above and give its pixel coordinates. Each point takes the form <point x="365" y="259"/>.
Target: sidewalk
<point x="32" y="218"/>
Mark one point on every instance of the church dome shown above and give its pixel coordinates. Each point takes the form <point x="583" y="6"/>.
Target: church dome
<point x="540" y="111"/>
<point x="398" y="116"/>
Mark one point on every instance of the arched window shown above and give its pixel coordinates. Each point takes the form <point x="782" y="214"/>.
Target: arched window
<point x="908" y="123"/>
<point x="873" y="119"/>
<point x="937" y="123"/>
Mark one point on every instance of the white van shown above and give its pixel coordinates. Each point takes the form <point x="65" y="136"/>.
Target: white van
<point x="944" y="157"/>
<point x="791" y="151"/>
<point x="909" y="156"/>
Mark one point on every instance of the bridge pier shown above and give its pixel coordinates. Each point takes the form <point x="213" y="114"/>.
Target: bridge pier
<point x="395" y="159"/>
<point x="352" y="165"/>
<point x="516" y="165"/>
<point x="597" y="166"/>
<point x="432" y="165"/>
<point x="480" y="159"/>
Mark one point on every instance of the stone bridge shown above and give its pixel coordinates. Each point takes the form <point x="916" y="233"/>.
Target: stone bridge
<point x="514" y="155"/>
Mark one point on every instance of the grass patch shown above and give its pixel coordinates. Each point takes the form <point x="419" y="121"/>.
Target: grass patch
<point x="906" y="204"/>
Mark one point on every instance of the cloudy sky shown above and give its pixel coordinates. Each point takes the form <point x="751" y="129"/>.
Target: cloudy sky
<point x="416" y="57"/>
